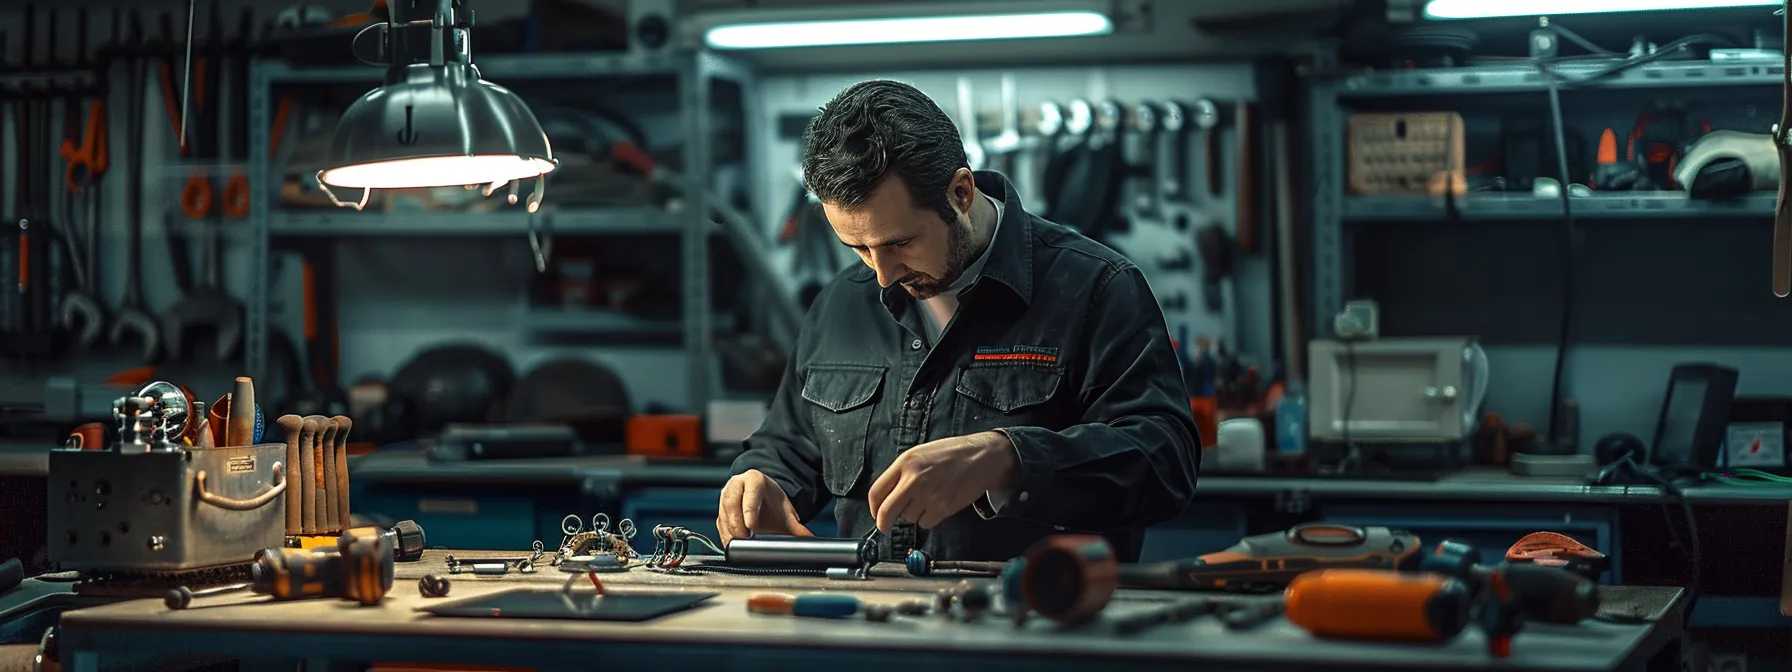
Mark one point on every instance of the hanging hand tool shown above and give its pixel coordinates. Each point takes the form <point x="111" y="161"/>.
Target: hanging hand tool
<point x="967" y="124"/>
<point x="133" y="318"/>
<point x="1049" y="127"/>
<point x="1007" y="145"/>
<point x="1782" y="142"/>
<point x="206" y="304"/>
<point x="1172" y="156"/>
<point x="82" y="311"/>
<point x="235" y="194"/>
<point x="1142" y="142"/>
<point x="190" y="101"/>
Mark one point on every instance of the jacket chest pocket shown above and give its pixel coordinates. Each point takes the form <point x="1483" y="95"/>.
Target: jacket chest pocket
<point x="1006" y="394"/>
<point x="841" y="400"/>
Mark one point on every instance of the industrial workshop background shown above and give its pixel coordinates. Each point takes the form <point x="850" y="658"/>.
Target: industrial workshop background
<point x="669" y="266"/>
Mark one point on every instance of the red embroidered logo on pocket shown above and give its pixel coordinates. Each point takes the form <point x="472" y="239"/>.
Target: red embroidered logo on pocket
<point x="1021" y="353"/>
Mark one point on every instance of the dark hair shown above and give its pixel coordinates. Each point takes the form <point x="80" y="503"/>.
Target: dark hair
<point x="875" y="128"/>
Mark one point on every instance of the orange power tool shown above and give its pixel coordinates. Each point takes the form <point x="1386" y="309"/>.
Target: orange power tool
<point x="1378" y="605"/>
<point x="1272" y="560"/>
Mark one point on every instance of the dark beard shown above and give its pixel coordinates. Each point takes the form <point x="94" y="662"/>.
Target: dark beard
<point x="958" y="256"/>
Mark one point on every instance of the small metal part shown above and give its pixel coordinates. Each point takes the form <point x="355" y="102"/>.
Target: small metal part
<point x="846" y="574"/>
<point x="181" y="597"/>
<point x="942" y="602"/>
<point x="488" y="568"/>
<point x="878" y="613"/>
<point x="974" y="602"/>
<point x="791" y="552"/>
<point x="912" y="607"/>
<point x="433" y="586"/>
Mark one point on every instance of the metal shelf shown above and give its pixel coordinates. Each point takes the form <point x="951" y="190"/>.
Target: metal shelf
<point x="692" y="72"/>
<point x="551" y="320"/>
<point x="1523" y="77"/>
<point x="1635" y="205"/>
<point x="582" y="221"/>
<point x="590" y="321"/>
<point x="499" y="67"/>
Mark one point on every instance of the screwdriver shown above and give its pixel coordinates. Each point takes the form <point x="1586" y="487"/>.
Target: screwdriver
<point x="810" y="605"/>
<point x="359" y="569"/>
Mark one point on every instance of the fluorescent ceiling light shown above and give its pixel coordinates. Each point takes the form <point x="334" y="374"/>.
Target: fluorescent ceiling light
<point x="1487" y="9"/>
<point x="784" y="34"/>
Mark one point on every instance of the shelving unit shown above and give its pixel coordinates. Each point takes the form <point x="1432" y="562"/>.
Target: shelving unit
<point x="1503" y="206"/>
<point x="694" y="71"/>
<point x="1334" y="209"/>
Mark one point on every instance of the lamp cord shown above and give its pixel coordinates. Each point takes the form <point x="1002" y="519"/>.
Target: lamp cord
<point x="186" y="82"/>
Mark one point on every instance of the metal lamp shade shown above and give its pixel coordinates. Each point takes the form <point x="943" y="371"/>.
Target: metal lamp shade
<point x="437" y="127"/>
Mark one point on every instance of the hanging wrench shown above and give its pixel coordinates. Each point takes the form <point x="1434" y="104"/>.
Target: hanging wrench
<point x="1142" y="152"/>
<point x="1007" y="144"/>
<point x="967" y="125"/>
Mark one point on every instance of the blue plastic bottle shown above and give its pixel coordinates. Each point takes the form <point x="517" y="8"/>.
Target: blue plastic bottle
<point x="1291" y="422"/>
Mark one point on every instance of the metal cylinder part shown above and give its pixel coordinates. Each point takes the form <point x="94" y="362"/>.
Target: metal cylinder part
<point x="797" y="552"/>
<point x="1069" y="578"/>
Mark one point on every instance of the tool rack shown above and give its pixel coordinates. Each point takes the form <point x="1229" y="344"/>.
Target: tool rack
<point x="694" y="71"/>
<point x="1335" y="212"/>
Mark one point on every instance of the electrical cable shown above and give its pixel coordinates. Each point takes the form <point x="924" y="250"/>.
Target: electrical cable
<point x="1555" y="82"/>
<point x="1353" y="456"/>
<point x="1566" y="319"/>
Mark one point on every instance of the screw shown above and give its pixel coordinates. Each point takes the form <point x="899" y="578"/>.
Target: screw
<point x="157" y="543"/>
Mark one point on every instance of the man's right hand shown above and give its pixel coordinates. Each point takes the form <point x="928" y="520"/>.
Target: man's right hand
<point x="753" y="502"/>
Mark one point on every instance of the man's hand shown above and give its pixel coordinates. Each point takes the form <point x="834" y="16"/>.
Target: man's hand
<point x="930" y="482"/>
<point x="753" y="502"/>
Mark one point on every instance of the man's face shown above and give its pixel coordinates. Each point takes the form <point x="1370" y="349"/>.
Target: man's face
<point x="907" y="244"/>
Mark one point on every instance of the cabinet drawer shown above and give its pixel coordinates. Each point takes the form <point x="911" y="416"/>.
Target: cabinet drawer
<point x="1491" y="532"/>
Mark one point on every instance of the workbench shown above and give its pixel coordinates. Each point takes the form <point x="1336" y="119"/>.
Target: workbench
<point x="722" y="635"/>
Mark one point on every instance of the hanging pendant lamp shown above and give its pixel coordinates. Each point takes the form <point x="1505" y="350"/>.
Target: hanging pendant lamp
<point x="434" y="122"/>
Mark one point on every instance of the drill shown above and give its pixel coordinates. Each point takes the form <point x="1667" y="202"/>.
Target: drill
<point x="359" y="568"/>
<point x="1541" y="593"/>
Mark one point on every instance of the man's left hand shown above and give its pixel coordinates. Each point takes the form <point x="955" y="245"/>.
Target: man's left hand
<point x="930" y="482"/>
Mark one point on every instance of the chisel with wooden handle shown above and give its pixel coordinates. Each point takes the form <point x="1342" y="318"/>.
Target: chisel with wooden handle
<point x="295" y="497"/>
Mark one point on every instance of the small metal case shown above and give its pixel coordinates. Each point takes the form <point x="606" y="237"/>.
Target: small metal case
<point x="165" y="510"/>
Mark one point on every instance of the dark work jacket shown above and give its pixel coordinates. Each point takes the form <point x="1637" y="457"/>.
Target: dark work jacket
<point x="1060" y="343"/>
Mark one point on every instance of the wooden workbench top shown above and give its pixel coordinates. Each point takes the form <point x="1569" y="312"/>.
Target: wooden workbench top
<point x="222" y="622"/>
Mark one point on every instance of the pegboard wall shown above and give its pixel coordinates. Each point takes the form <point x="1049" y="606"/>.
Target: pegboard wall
<point x="1161" y="235"/>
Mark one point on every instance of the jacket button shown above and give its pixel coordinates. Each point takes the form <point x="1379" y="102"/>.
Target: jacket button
<point x="914" y="344"/>
<point x="914" y="403"/>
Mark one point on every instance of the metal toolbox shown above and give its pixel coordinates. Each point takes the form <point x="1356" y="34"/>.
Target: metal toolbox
<point x="165" y="510"/>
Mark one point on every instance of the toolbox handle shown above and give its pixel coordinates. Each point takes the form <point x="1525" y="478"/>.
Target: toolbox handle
<point x="241" y="504"/>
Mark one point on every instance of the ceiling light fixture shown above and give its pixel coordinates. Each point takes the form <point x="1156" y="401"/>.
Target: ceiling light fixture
<point x="903" y="23"/>
<point x="1487" y="9"/>
<point x="434" y="122"/>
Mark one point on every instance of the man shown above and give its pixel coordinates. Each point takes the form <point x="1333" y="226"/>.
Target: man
<point x="988" y="378"/>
